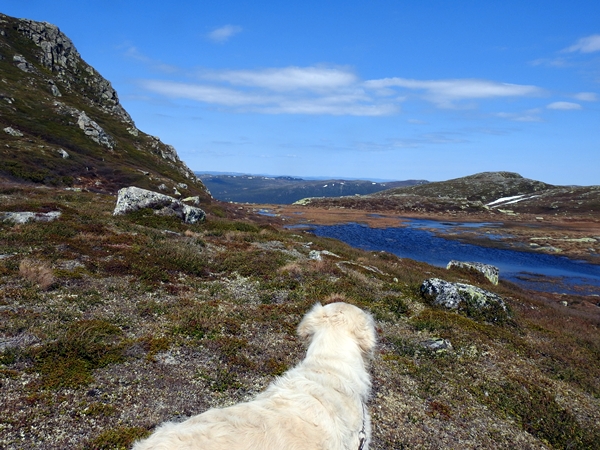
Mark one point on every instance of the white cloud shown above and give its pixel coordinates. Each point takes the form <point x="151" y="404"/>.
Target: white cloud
<point x="445" y="92"/>
<point x="330" y="91"/>
<point x="564" y="105"/>
<point x="223" y="33"/>
<point x="586" y="96"/>
<point x="531" y="115"/>
<point x="266" y="102"/>
<point x="587" y="44"/>
<point x="204" y="93"/>
<point x="287" y="78"/>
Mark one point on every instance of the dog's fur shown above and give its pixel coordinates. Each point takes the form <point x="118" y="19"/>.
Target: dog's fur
<point x="319" y="404"/>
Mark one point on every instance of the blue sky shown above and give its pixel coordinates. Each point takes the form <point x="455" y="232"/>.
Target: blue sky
<point x="355" y="89"/>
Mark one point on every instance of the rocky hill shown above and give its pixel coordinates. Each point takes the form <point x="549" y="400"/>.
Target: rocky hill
<point x="287" y="190"/>
<point x="61" y="122"/>
<point x="501" y="192"/>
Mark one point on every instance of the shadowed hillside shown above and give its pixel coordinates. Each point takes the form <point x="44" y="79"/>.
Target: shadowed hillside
<point x="287" y="190"/>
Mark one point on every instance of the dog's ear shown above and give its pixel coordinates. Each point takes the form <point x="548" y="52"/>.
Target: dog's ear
<point x="311" y="320"/>
<point x="366" y="337"/>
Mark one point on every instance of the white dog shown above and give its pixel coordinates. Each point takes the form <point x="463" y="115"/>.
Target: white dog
<point x="319" y="404"/>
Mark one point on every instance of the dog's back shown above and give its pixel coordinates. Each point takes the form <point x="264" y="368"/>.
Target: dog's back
<point x="319" y="404"/>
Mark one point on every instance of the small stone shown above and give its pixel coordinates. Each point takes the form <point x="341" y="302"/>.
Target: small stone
<point x="13" y="132"/>
<point x="437" y="344"/>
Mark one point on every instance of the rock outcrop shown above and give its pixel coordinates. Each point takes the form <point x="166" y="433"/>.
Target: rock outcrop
<point x="39" y="65"/>
<point x="472" y="300"/>
<point x="94" y="131"/>
<point x="59" y="55"/>
<point x="490" y="272"/>
<point x="133" y="198"/>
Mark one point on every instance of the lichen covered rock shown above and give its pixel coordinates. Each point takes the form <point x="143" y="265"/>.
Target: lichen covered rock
<point x="133" y="198"/>
<point x="471" y="300"/>
<point x="490" y="272"/>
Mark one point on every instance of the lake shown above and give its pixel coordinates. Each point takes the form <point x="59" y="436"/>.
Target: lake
<point x="537" y="271"/>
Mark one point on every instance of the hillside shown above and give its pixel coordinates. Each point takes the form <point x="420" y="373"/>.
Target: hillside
<point x="287" y="190"/>
<point x="487" y="193"/>
<point x="112" y="324"/>
<point x="61" y="122"/>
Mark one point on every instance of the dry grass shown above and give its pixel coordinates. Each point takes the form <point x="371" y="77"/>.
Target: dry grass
<point x="37" y="272"/>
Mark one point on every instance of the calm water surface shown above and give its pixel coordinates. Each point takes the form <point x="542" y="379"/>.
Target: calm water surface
<point x="532" y="270"/>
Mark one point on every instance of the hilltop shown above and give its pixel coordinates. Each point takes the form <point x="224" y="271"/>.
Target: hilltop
<point x="243" y="188"/>
<point x="487" y="193"/>
<point x="61" y="122"/>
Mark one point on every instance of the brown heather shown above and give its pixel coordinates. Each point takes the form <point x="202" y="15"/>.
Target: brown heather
<point x="37" y="272"/>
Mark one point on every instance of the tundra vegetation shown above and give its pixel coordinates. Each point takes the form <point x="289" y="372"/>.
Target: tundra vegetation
<point x="111" y="325"/>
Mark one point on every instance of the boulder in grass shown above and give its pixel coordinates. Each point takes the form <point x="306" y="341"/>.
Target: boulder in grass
<point x="471" y="300"/>
<point x="132" y="198"/>
<point x="489" y="271"/>
<point x="27" y="216"/>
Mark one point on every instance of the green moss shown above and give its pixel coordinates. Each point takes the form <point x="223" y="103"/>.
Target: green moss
<point x="117" y="438"/>
<point x="70" y="360"/>
<point x="221" y="380"/>
<point x="99" y="410"/>
<point x="538" y="413"/>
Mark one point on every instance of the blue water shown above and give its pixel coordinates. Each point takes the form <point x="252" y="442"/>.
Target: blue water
<point x="531" y="270"/>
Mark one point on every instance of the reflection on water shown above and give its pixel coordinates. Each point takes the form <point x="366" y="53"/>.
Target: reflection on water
<point x="532" y="270"/>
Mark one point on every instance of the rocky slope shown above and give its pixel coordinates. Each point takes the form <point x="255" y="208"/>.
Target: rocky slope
<point x="487" y="192"/>
<point x="61" y="122"/>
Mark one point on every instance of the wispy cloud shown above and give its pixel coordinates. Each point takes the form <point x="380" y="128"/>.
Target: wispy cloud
<point x="551" y="62"/>
<point x="444" y="93"/>
<point x="586" y="96"/>
<point x="564" y="105"/>
<point x="287" y="78"/>
<point x="329" y="91"/>
<point x="224" y="33"/>
<point x="132" y="52"/>
<point x="531" y="115"/>
<point x="587" y="44"/>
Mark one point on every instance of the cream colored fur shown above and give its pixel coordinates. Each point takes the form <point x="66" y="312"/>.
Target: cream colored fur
<point x="319" y="404"/>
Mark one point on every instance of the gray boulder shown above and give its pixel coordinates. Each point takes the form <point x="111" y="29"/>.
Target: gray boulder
<point x="490" y="272"/>
<point x="26" y="216"/>
<point x="472" y="300"/>
<point x="133" y="198"/>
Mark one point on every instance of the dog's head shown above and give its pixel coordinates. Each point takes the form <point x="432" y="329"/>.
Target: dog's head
<point x="343" y="317"/>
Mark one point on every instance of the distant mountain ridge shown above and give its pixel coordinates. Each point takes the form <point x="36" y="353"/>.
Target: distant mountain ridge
<point x="506" y="192"/>
<point x="61" y="122"/>
<point x="244" y="188"/>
